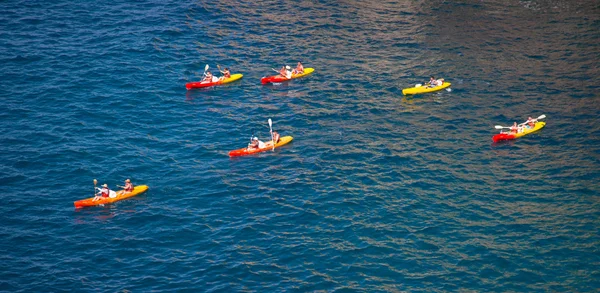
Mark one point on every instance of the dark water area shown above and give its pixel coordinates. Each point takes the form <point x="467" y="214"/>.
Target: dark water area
<point x="378" y="192"/>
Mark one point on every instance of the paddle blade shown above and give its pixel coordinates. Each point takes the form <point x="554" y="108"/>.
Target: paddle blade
<point x="541" y="117"/>
<point x="498" y="127"/>
<point x="270" y="123"/>
<point x="206" y="67"/>
<point x="95" y="182"/>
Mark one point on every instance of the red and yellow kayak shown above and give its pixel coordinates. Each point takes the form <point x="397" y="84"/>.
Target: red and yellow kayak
<point x="88" y="202"/>
<point x="526" y="131"/>
<point x="279" y="78"/>
<point x="269" y="146"/>
<point x="202" y="84"/>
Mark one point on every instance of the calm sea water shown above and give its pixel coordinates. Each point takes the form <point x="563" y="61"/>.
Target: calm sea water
<point x="378" y="192"/>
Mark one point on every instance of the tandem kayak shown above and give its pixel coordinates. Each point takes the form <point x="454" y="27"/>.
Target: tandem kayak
<point x="279" y="78"/>
<point x="269" y="146"/>
<point x="201" y="84"/>
<point x="88" y="202"/>
<point x="526" y="131"/>
<point x="424" y="89"/>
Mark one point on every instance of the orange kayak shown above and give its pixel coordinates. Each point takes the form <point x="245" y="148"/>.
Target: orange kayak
<point x="88" y="202"/>
<point x="269" y="146"/>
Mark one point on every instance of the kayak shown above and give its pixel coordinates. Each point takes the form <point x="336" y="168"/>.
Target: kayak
<point x="88" y="202"/>
<point x="424" y="89"/>
<point x="279" y="78"/>
<point x="201" y="84"/>
<point x="526" y="131"/>
<point x="269" y="146"/>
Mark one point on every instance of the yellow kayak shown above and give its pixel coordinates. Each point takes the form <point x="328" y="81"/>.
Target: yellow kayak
<point x="424" y="89"/>
<point x="121" y="194"/>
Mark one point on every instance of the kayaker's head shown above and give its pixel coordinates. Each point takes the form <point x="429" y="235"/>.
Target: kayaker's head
<point x="127" y="180"/>
<point x="288" y="67"/>
<point x="255" y="138"/>
<point x="105" y="185"/>
<point x="432" y="77"/>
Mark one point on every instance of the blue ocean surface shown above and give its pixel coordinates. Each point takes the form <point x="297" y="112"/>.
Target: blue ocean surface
<point x="378" y="192"/>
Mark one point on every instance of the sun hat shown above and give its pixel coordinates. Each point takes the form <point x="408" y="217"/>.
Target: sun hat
<point x="287" y="67"/>
<point x="104" y="185"/>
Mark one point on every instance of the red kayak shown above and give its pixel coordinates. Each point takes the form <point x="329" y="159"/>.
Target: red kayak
<point x="279" y="78"/>
<point x="203" y="84"/>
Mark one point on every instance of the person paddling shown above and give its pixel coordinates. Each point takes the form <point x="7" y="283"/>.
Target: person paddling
<point x="104" y="192"/>
<point x="256" y="144"/>
<point x="299" y="69"/>
<point x="208" y="77"/>
<point x="434" y="82"/>
<point x="530" y="122"/>
<point x="514" y="128"/>
<point x="226" y="73"/>
<point x="276" y="137"/>
<point x="127" y="188"/>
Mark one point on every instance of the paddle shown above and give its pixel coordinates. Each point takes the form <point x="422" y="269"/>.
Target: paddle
<point x="205" y="69"/>
<point x="95" y="183"/>
<point x="536" y="119"/>
<point x="271" y="130"/>
<point x="500" y="127"/>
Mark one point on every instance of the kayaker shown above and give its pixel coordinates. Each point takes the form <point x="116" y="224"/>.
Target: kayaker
<point x="285" y="72"/>
<point x="226" y="73"/>
<point x="207" y="77"/>
<point x="435" y="82"/>
<point x="299" y="69"/>
<point x="104" y="192"/>
<point x="276" y="137"/>
<point x="531" y="122"/>
<point x="514" y="128"/>
<point x="288" y="71"/>
<point x="256" y="144"/>
<point x="127" y="188"/>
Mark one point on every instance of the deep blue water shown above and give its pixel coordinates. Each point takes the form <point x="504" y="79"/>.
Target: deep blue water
<point x="378" y="192"/>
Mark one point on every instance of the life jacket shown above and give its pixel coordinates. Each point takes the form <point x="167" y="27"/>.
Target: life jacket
<point x="227" y="74"/>
<point x="105" y="192"/>
<point x="129" y="187"/>
<point x="276" y="137"/>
